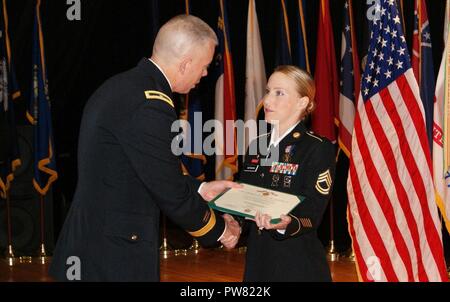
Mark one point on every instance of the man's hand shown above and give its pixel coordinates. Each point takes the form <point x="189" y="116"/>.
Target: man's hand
<point x="263" y="222"/>
<point x="231" y="236"/>
<point x="211" y="189"/>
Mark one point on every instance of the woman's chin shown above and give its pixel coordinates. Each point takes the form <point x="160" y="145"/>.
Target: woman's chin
<point x="271" y="121"/>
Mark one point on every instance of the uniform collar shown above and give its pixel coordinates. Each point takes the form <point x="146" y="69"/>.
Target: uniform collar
<point x="296" y="134"/>
<point x="162" y="71"/>
<point x="149" y="68"/>
<point x="293" y="133"/>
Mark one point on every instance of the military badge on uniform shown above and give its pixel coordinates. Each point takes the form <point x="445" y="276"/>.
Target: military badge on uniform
<point x="287" y="181"/>
<point x="296" y="135"/>
<point x="251" y="168"/>
<point x="275" y="180"/>
<point x="253" y="164"/>
<point x="284" y="168"/>
<point x="323" y="183"/>
<point x="288" y="153"/>
<point x="254" y="161"/>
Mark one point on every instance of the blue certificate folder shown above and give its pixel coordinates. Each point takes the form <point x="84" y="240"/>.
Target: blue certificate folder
<point x="213" y="205"/>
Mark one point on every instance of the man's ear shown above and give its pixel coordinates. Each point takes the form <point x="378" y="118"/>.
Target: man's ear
<point x="184" y="65"/>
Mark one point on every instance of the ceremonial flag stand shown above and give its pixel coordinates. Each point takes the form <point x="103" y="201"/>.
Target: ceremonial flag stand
<point x="165" y="250"/>
<point x="332" y="254"/>
<point x="42" y="254"/>
<point x="9" y="255"/>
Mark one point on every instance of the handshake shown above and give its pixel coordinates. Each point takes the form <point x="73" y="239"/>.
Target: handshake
<point x="208" y="191"/>
<point x="230" y="237"/>
<point x="232" y="231"/>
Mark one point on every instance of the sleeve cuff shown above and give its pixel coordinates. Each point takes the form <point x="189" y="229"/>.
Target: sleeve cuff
<point x="200" y="187"/>
<point x="224" y="230"/>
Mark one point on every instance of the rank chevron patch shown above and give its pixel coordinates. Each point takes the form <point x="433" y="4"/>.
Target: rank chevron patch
<point x="323" y="183"/>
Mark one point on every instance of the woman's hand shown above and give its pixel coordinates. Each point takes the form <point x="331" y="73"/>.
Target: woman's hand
<point x="263" y="222"/>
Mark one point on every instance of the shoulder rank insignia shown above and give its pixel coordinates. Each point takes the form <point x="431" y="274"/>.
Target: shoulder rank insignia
<point x="157" y="95"/>
<point x="323" y="183"/>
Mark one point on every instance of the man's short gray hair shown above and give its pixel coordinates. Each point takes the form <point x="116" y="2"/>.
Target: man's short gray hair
<point x="180" y="34"/>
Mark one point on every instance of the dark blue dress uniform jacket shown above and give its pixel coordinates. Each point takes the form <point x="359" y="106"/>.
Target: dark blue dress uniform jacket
<point x="306" y="166"/>
<point x="127" y="174"/>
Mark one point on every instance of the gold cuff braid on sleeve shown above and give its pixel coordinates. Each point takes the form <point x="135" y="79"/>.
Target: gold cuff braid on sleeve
<point x="299" y="225"/>
<point x="205" y="229"/>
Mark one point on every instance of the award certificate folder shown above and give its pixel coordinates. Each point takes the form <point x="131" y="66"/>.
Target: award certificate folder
<point x="249" y="199"/>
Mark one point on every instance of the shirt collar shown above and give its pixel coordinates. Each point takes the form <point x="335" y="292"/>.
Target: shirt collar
<point x="276" y="140"/>
<point x="162" y="71"/>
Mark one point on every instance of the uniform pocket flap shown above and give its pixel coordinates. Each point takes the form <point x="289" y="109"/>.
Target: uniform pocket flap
<point x="130" y="226"/>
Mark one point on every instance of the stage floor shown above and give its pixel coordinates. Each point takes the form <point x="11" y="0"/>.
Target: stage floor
<point x="207" y="265"/>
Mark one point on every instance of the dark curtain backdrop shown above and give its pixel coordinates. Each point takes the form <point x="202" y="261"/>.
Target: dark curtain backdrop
<point x="112" y="36"/>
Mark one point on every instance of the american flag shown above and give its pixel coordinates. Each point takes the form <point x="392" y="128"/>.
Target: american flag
<point x="393" y="217"/>
<point x="350" y="79"/>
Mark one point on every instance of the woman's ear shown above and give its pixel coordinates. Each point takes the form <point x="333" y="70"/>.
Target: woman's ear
<point x="303" y="103"/>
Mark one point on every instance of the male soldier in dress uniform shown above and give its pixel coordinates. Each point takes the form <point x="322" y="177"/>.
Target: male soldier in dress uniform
<point x="128" y="173"/>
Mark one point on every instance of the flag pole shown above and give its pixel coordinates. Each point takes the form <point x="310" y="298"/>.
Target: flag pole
<point x="349" y="255"/>
<point x="43" y="257"/>
<point x="195" y="246"/>
<point x="166" y="250"/>
<point x="332" y="254"/>
<point x="9" y="255"/>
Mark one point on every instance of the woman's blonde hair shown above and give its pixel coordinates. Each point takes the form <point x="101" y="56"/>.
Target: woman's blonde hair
<point x="304" y="84"/>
